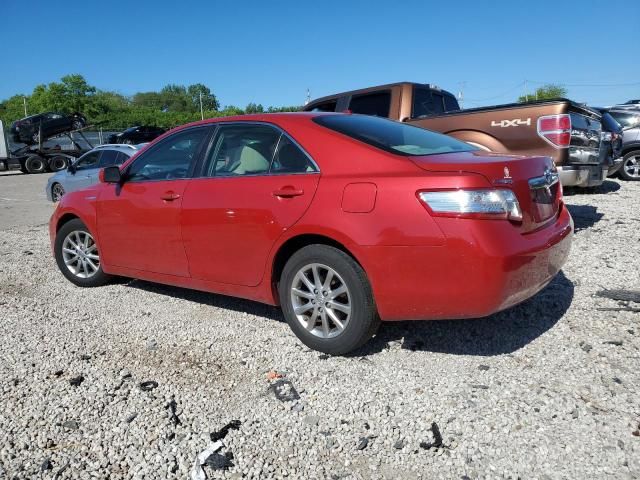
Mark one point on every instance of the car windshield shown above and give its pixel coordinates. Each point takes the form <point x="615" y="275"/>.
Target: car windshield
<point x="394" y="137"/>
<point x="627" y="120"/>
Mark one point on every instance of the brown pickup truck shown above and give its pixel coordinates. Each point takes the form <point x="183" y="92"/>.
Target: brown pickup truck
<point x="561" y="129"/>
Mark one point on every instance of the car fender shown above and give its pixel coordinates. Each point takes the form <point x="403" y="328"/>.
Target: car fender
<point x="85" y="210"/>
<point x="630" y="146"/>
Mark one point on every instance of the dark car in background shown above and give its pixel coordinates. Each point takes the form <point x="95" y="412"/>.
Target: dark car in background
<point x="629" y="120"/>
<point x="27" y="130"/>
<point x="135" y="135"/>
<point x="630" y="105"/>
<point x="611" y="142"/>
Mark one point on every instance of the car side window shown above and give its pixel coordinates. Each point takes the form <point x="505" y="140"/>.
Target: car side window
<point x="122" y="157"/>
<point x="108" y="158"/>
<point x="377" y="104"/>
<point x="290" y="158"/>
<point x="169" y="160"/>
<point x="89" y="160"/>
<point x="241" y="150"/>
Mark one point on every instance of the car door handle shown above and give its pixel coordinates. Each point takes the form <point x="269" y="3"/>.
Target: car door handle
<point x="170" y="196"/>
<point x="288" y="192"/>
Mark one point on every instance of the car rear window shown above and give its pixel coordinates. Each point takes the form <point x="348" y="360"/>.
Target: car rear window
<point x="394" y="137"/>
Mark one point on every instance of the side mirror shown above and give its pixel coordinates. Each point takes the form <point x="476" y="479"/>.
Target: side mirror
<point x="72" y="168"/>
<point x="110" y="175"/>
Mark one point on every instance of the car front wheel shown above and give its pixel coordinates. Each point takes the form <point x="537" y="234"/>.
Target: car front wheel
<point x="327" y="300"/>
<point x="630" y="169"/>
<point x="77" y="255"/>
<point x="57" y="191"/>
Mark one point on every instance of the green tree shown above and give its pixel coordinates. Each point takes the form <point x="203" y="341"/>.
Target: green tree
<point x="284" y="109"/>
<point x="254" y="108"/>
<point x="545" y="92"/>
<point x="209" y="100"/>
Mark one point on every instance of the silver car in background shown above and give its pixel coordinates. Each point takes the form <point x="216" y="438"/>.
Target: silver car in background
<point x="84" y="171"/>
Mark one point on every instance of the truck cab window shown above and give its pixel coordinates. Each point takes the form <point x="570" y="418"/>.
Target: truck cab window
<point x="325" y="107"/>
<point x="376" y="104"/>
<point x="426" y="103"/>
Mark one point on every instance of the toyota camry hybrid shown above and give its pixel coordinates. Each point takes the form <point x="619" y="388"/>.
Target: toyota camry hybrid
<point x="343" y="220"/>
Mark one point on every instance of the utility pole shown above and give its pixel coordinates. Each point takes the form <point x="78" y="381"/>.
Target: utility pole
<point x="201" y="110"/>
<point x="526" y="96"/>
<point x="24" y="102"/>
<point x="308" y="97"/>
<point x="461" y="94"/>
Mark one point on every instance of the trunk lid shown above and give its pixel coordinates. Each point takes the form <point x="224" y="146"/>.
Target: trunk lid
<point x="532" y="179"/>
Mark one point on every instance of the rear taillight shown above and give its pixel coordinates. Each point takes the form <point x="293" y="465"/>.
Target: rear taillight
<point x="555" y="129"/>
<point x="492" y="204"/>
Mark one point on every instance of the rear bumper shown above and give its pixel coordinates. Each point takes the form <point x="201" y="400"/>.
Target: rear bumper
<point x="486" y="266"/>
<point x="582" y="175"/>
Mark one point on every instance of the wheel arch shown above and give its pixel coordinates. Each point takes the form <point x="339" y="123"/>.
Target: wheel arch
<point x="478" y="139"/>
<point x="65" y="218"/>
<point x="630" y="148"/>
<point x="295" y="243"/>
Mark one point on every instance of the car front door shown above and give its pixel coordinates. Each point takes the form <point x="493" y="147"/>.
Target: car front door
<point x="139" y="219"/>
<point x="84" y="171"/>
<point x="255" y="183"/>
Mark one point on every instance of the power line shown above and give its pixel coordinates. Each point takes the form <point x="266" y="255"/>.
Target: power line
<point x="633" y="84"/>
<point x="507" y="92"/>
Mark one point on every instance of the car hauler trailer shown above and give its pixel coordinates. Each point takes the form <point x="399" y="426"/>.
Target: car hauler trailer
<point x="40" y="158"/>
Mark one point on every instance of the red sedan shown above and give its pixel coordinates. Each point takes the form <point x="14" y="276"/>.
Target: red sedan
<point x="341" y="219"/>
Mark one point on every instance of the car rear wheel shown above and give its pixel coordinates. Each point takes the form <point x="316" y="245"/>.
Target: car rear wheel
<point x="35" y="164"/>
<point x="630" y="169"/>
<point x="77" y="255"/>
<point x="57" y="163"/>
<point x="327" y="300"/>
<point x="57" y="191"/>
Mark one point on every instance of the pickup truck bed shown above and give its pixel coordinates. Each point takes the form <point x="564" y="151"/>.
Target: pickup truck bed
<point x="561" y="129"/>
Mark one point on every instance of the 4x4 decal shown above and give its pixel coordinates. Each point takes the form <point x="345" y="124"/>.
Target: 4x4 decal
<point x="516" y="122"/>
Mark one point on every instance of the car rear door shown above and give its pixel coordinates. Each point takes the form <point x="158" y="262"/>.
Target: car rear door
<point x="255" y="183"/>
<point x="139" y="219"/>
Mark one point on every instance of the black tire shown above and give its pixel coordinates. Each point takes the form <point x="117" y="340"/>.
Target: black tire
<point x="98" y="279"/>
<point x="57" y="192"/>
<point x="77" y="124"/>
<point x="58" y="163"/>
<point x="364" y="319"/>
<point x="35" y="164"/>
<point x="630" y="169"/>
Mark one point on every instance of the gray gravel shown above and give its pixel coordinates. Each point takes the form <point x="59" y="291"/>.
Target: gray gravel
<point x="548" y="389"/>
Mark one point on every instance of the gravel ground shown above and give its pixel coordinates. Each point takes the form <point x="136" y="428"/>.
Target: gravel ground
<point x="548" y="389"/>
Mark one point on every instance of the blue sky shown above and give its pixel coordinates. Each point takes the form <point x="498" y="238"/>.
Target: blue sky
<point x="270" y="52"/>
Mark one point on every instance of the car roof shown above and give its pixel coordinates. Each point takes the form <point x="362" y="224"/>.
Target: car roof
<point x="117" y="146"/>
<point x="257" y="117"/>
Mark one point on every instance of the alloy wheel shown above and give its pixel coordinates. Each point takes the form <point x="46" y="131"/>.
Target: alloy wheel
<point x="321" y="300"/>
<point x="57" y="191"/>
<point x="632" y="166"/>
<point x="80" y="254"/>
